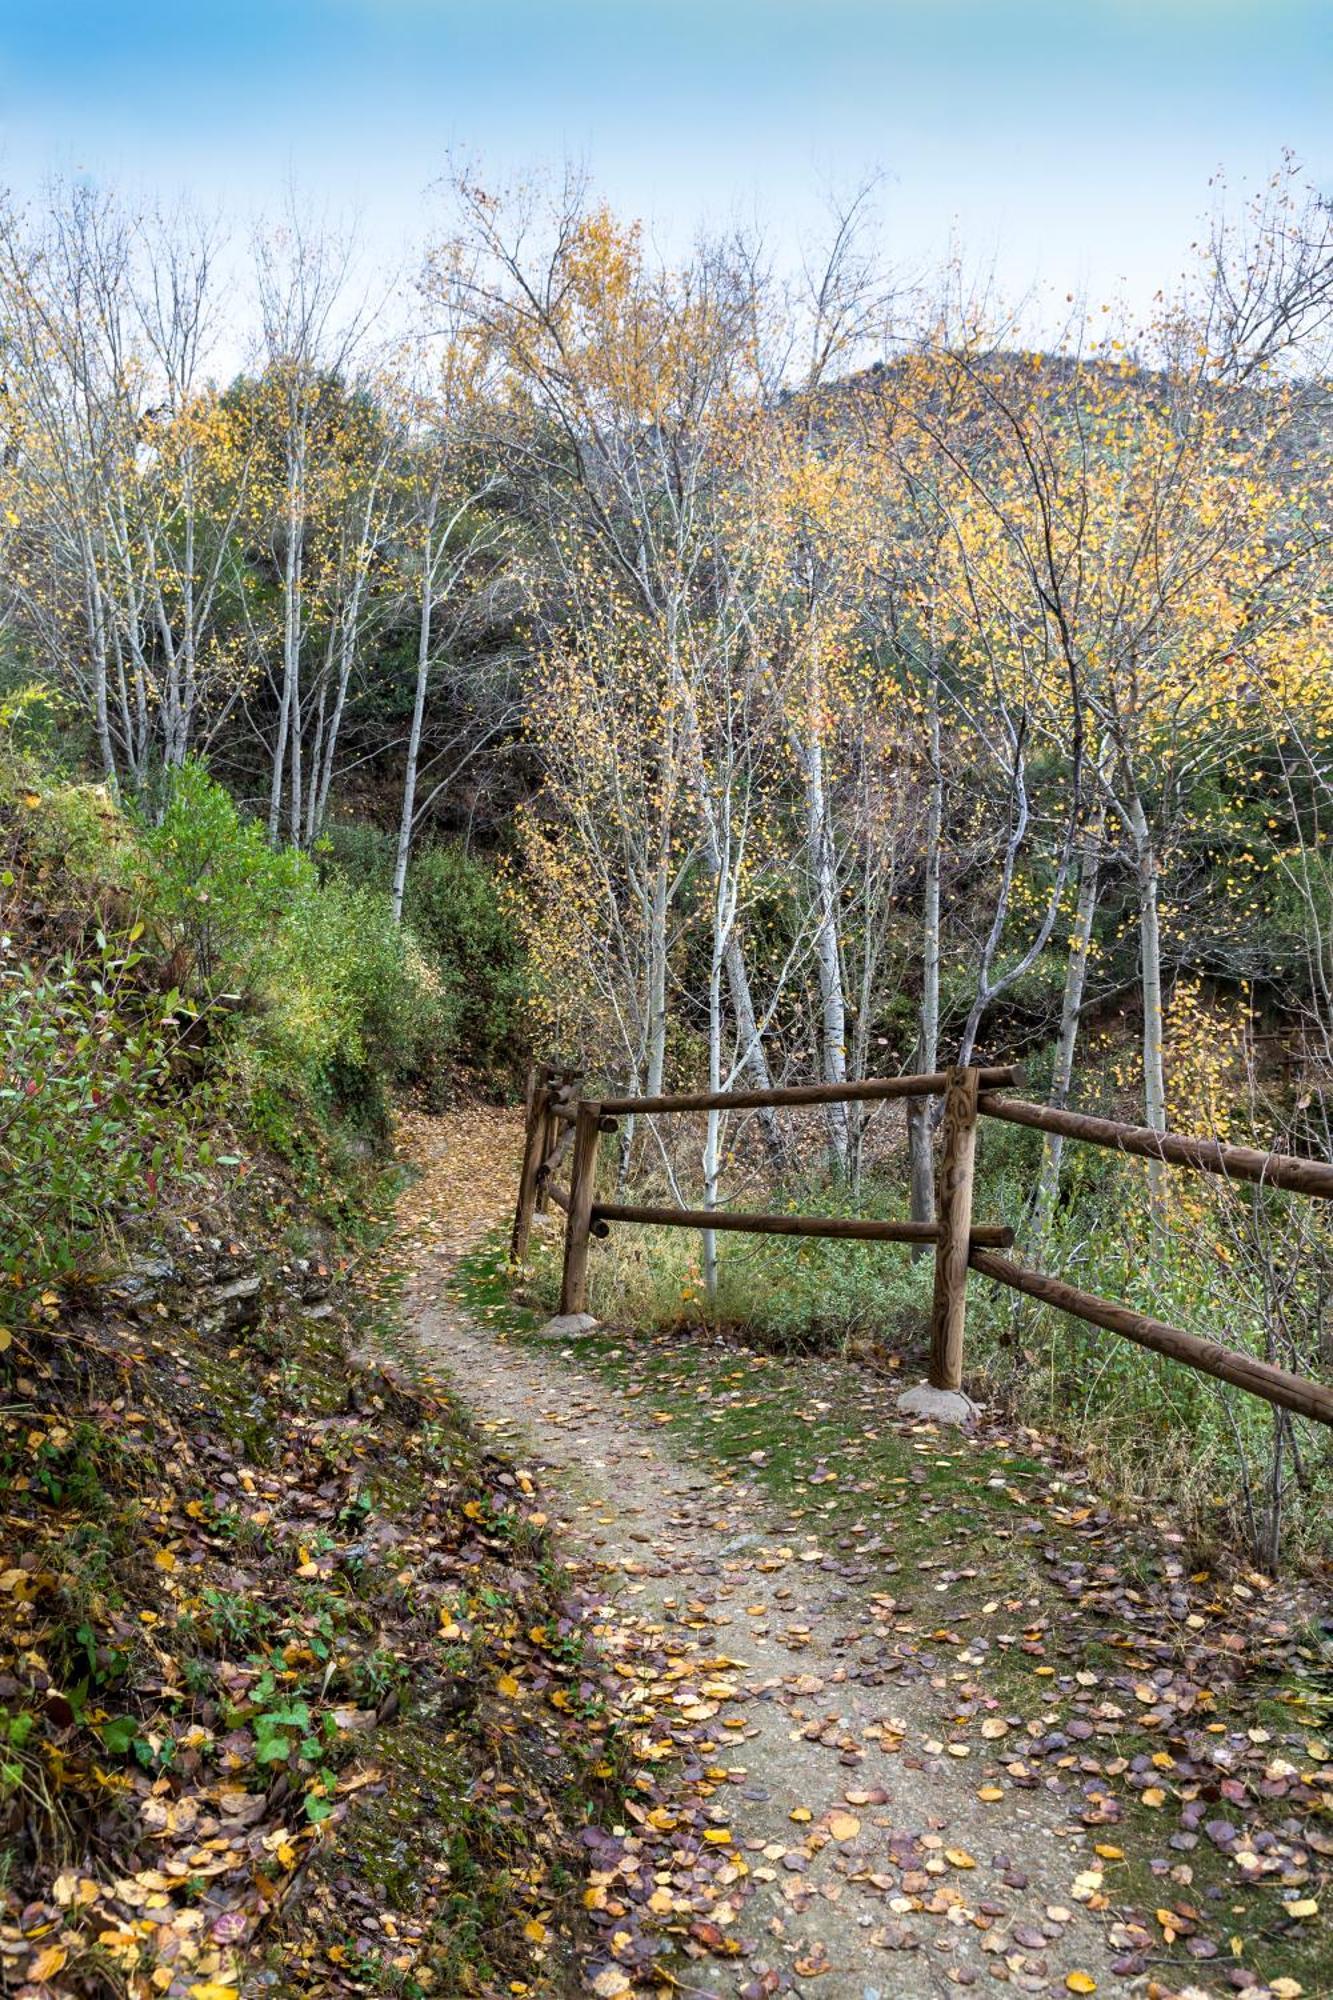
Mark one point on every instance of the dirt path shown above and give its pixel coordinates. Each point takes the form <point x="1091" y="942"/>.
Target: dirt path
<point x="877" y="1870"/>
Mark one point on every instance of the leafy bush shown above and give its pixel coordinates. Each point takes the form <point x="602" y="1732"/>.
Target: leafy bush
<point x="84" y="1135"/>
<point x="360" y="853"/>
<point x="217" y="893"/>
<point x="338" y="1003"/>
<point x="454" y="907"/>
<point x="354" y="1005"/>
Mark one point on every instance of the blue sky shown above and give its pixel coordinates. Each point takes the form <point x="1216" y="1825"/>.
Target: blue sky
<point x="1069" y="143"/>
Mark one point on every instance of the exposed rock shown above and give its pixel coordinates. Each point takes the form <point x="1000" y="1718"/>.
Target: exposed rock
<point x="942" y="1406"/>
<point x="565" y="1324"/>
<point x="144" y="1281"/>
<point x="235" y="1304"/>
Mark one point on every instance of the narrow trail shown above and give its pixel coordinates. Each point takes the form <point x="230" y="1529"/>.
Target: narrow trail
<point x="875" y="1869"/>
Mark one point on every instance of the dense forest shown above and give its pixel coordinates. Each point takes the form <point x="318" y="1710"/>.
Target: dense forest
<point x="683" y="670"/>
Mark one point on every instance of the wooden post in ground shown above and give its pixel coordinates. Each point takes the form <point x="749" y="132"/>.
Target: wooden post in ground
<point x="561" y="1085"/>
<point x="582" y="1175"/>
<point x="534" y="1140"/>
<point x="958" y="1147"/>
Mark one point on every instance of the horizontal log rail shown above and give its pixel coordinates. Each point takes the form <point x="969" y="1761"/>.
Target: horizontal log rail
<point x="932" y="1084"/>
<point x="1228" y="1364"/>
<point x="857" y="1228"/>
<point x="1205" y="1156"/>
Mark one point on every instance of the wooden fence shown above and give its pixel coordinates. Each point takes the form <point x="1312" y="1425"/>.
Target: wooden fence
<point x="561" y="1123"/>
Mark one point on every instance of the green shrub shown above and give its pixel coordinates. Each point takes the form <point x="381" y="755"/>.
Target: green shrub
<point x="218" y="895"/>
<point x="354" y="1006"/>
<point x="454" y="906"/>
<point x="338" y="1002"/>
<point x="84" y="1132"/>
<point x="360" y="853"/>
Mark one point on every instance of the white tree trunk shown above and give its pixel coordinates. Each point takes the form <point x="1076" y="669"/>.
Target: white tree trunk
<point x="1071" y="1006"/>
<point x="655" y="1011"/>
<point x="827" y="941"/>
<point x="289" y="714"/>
<point x="405" y="823"/>
<point x="922" y="1166"/>
<point x="1147" y="870"/>
<point x="753" y="1055"/>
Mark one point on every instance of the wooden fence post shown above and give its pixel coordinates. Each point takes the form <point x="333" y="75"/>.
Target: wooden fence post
<point x="958" y="1149"/>
<point x="582" y="1174"/>
<point x="561" y="1084"/>
<point x="534" y="1142"/>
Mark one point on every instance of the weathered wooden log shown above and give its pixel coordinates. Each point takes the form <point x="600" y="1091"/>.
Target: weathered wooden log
<point x="931" y="1085"/>
<point x="1206" y="1156"/>
<point x="555" y="1157"/>
<point x="574" y="1284"/>
<point x="528" y="1190"/>
<point x="561" y="1092"/>
<point x="859" y="1229"/>
<point x="1228" y="1364"/>
<point x="953" y="1207"/>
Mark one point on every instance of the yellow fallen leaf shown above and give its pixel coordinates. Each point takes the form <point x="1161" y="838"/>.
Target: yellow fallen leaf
<point x="718" y="1836"/>
<point x="1154" y="1796"/>
<point x="994" y="1727"/>
<point x="164" y="1559"/>
<point x="958" y="1857"/>
<point x="535" y="1931"/>
<point x="212" y="1989"/>
<point x="1081" y="1982"/>
<point x="507" y="1686"/>
<point x="843" y="1826"/>
<point x="48" y="1963"/>
<point x="990" y="1793"/>
<point x="1110" y="1853"/>
<point x="1306" y="1907"/>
